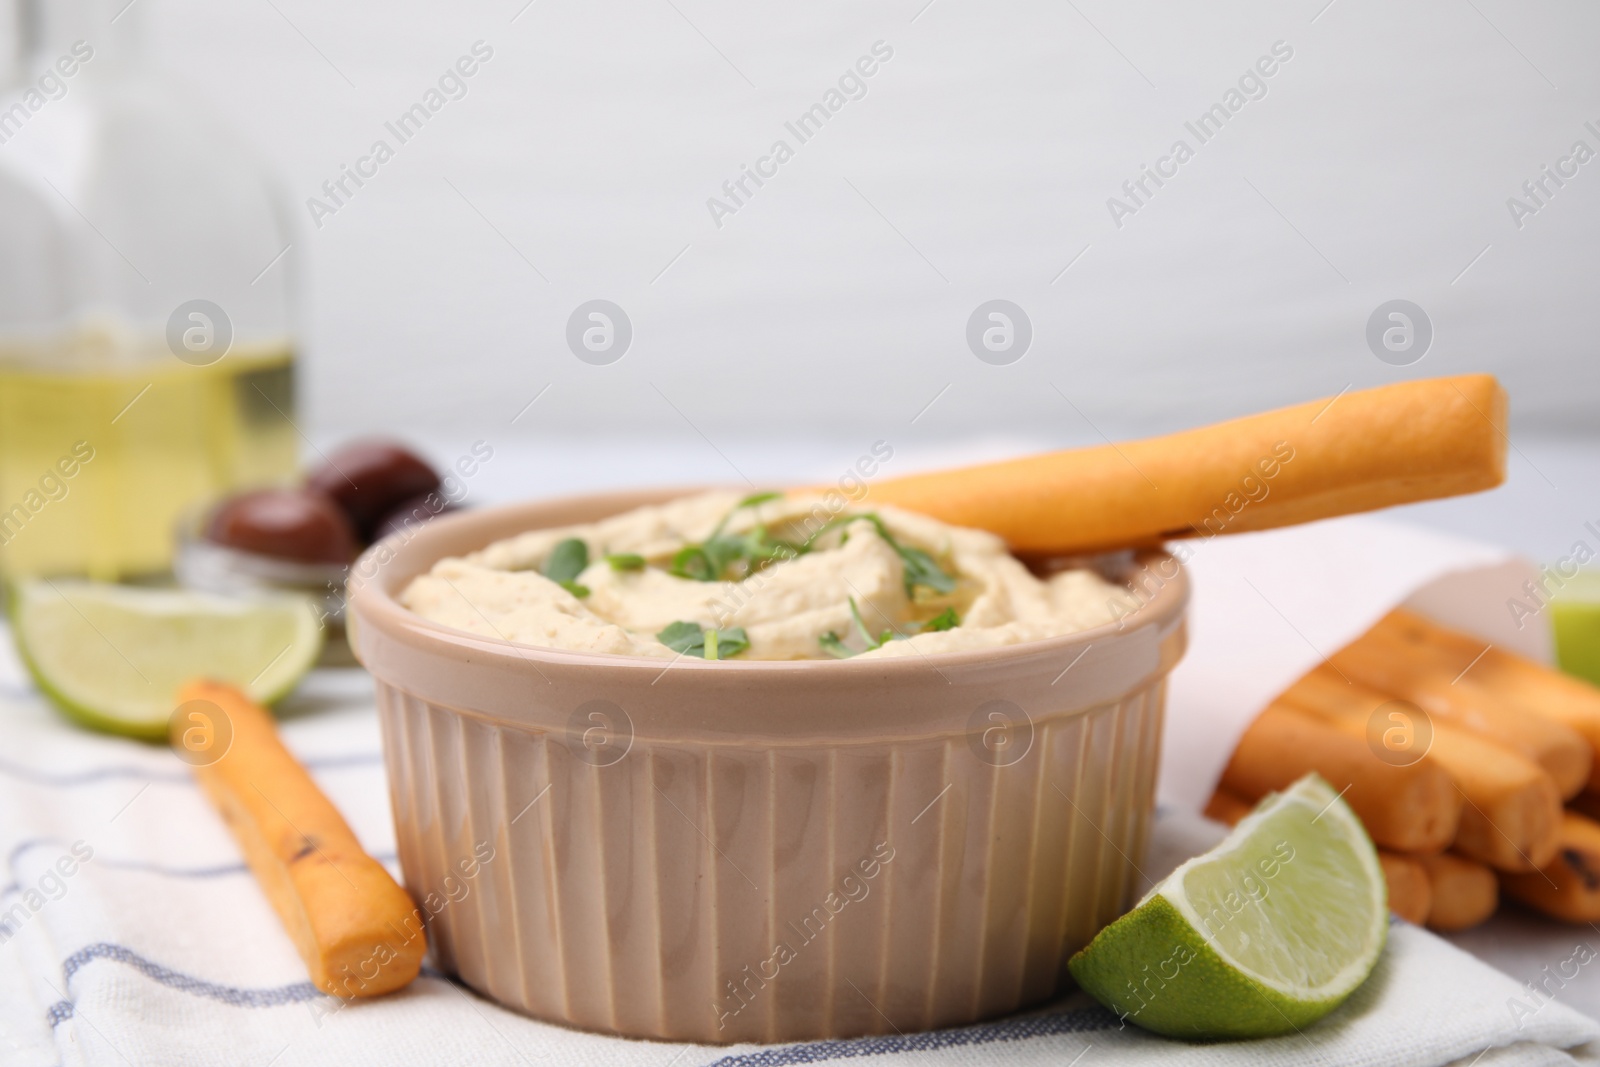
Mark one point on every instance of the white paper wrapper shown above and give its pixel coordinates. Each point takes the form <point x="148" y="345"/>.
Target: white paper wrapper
<point x="1270" y="606"/>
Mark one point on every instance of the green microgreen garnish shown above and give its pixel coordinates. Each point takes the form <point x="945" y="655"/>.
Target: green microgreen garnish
<point x="745" y="554"/>
<point x="834" y="645"/>
<point x="866" y="634"/>
<point x="919" y="567"/>
<point x="566" y="561"/>
<point x="690" y="639"/>
<point x="750" y="501"/>
<point x="705" y="562"/>
<point x="722" y="556"/>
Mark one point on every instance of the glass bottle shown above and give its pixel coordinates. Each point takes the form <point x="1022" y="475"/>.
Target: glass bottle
<point x="146" y="310"/>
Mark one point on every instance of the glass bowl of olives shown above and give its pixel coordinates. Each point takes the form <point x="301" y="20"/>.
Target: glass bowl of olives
<point x="303" y="539"/>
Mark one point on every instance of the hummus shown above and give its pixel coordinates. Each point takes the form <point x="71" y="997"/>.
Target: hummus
<point x="774" y="577"/>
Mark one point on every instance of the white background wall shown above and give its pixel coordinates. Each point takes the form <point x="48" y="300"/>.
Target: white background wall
<point x="978" y="165"/>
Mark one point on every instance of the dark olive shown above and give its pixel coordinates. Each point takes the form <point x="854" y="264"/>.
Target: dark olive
<point x="295" y="524"/>
<point x="410" y="515"/>
<point x="369" y="479"/>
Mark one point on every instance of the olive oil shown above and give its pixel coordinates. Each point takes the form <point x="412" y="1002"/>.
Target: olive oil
<point x="99" y="463"/>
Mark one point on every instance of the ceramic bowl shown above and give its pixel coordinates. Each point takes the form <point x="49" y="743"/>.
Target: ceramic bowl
<point x="761" y="851"/>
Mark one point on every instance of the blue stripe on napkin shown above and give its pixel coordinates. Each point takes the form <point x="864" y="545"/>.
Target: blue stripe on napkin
<point x="272" y="997"/>
<point x="1077" y="1021"/>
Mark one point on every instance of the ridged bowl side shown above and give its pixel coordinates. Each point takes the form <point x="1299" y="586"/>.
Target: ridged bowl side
<point x="720" y="892"/>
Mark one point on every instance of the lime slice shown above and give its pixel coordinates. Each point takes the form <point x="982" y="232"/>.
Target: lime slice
<point x="113" y="657"/>
<point x="1575" y="616"/>
<point x="1264" y="934"/>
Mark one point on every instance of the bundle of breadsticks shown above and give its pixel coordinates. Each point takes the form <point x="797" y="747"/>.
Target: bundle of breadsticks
<point x="1457" y="757"/>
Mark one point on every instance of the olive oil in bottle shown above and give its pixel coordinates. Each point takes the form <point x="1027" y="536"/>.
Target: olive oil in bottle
<point x="99" y="465"/>
<point x="146" y="300"/>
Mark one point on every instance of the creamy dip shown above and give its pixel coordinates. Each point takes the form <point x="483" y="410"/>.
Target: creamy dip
<point x="794" y="580"/>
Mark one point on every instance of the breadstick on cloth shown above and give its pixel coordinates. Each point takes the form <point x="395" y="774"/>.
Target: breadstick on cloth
<point x="1511" y="813"/>
<point x="357" y="930"/>
<point x="1359" y="451"/>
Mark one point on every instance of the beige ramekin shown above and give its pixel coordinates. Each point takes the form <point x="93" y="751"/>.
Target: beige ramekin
<point x="761" y="851"/>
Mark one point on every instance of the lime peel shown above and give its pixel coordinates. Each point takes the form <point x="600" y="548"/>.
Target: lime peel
<point x="1263" y="935"/>
<point x="113" y="657"/>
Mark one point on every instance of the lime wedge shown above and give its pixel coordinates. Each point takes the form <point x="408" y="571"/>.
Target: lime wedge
<point x="1264" y="934"/>
<point x="1575" y="617"/>
<point x="113" y="657"/>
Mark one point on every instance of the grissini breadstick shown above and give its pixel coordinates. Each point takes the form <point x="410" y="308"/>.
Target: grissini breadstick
<point x="1356" y="452"/>
<point x="1465" y="892"/>
<point x="1569" y="886"/>
<point x="1410" y="891"/>
<point x="1523" y="682"/>
<point x="1414" y="808"/>
<point x="1226" y="807"/>
<point x="1586" y="803"/>
<point x="1512" y="811"/>
<point x="1447" y="696"/>
<point x="357" y="930"/>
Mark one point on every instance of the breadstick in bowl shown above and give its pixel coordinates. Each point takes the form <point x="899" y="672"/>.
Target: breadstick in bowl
<point x="1359" y="451"/>
<point x="357" y="930"/>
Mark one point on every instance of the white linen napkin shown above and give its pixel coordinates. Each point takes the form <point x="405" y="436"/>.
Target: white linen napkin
<point x="133" y="933"/>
